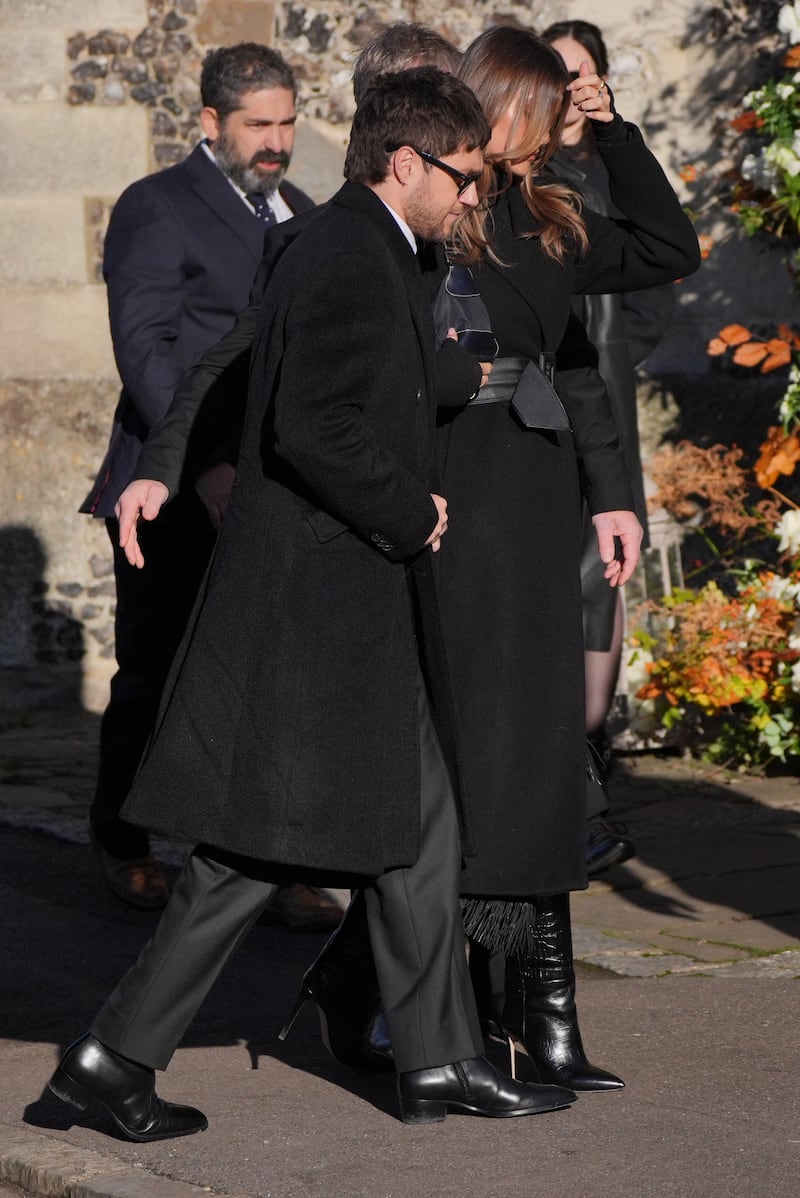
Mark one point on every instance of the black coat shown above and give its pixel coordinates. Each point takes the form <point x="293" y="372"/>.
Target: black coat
<point x="204" y="421"/>
<point x="288" y="730"/>
<point x="510" y="586"/>
<point x="179" y="259"/>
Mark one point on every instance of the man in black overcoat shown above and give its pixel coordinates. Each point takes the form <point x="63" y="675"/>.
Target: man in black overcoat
<point x="304" y="723"/>
<point x="180" y="255"/>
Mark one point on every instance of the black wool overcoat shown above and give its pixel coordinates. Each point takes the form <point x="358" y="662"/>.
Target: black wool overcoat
<point x="510" y="584"/>
<point x="288" y="728"/>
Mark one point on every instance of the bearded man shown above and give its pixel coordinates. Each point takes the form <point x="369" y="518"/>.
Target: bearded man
<point x="180" y="256"/>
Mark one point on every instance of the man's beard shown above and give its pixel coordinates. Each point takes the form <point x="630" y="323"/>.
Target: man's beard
<point x="423" y="223"/>
<point x="246" y="174"/>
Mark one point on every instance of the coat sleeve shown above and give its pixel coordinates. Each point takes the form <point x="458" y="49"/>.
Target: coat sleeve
<point x="203" y="424"/>
<point x="604" y="479"/>
<point x="655" y="242"/>
<point x="341" y="378"/>
<point x="143" y="269"/>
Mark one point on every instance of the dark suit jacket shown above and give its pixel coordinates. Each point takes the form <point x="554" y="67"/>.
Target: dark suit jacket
<point x="288" y="729"/>
<point x="180" y="255"/>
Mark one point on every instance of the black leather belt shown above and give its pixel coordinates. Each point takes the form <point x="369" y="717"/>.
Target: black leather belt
<point x="506" y="373"/>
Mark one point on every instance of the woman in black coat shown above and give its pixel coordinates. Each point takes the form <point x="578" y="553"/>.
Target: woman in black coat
<point x="510" y="583"/>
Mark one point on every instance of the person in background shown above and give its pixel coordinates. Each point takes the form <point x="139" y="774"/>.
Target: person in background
<point x="624" y="328"/>
<point x="180" y="255"/>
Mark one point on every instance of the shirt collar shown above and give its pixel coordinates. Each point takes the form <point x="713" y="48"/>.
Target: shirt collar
<point x="404" y="229"/>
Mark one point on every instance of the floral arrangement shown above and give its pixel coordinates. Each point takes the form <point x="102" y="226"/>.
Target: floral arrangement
<point x="767" y="190"/>
<point x="721" y="655"/>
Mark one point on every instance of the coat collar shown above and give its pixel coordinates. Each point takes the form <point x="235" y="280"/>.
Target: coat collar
<point x="521" y="256"/>
<point x="363" y="200"/>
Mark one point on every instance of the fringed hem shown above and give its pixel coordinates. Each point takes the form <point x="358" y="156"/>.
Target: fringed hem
<point x="501" y="925"/>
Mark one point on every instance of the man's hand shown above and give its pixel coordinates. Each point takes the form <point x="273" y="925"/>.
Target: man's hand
<point x="626" y="527"/>
<point x="143" y="497"/>
<point x="214" y="488"/>
<point x="486" y="367"/>
<point x="435" y="539"/>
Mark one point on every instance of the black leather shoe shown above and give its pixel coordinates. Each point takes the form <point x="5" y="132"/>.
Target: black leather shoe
<point x="605" y="846"/>
<point x="476" y="1087"/>
<point x="90" y="1072"/>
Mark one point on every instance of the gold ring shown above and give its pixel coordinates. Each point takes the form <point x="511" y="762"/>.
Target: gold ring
<point x="601" y="87"/>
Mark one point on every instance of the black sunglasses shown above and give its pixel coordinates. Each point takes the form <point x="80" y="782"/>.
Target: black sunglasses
<point x="462" y="180"/>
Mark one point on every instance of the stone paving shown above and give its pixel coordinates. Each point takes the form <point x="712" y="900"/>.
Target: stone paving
<point x="714" y="888"/>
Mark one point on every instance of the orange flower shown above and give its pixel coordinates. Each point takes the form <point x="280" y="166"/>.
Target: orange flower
<point x="715" y="347"/>
<point x="780" y="354"/>
<point x="735" y="334"/>
<point x="750" y="353"/>
<point x="706" y="245"/>
<point x="780" y="453"/>
<point x="748" y="120"/>
<point x="792" y="58"/>
<point x="787" y="333"/>
<point x="688" y="173"/>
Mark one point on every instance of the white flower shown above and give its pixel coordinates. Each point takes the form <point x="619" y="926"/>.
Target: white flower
<point x="780" y="588"/>
<point x="796" y="677"/>
<point x="788" y="529"/>
<point x="789" y="21"/>
<point x="784" y="91"/>
<point x="759" y="170"/>
<point x="783" y="155"/>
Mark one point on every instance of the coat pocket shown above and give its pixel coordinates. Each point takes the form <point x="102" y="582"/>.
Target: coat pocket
<point x="324" y="526"/>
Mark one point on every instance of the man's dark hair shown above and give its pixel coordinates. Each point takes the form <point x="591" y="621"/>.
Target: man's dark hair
<point x="400" y="46"/>
<point x="231" y="71"/>
<point x="424" y="108"/>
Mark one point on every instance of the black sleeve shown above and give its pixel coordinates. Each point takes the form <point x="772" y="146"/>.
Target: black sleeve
<point x="655" y="242"/>
<point x="604" y="479"/>
<point x="458" y="375"/>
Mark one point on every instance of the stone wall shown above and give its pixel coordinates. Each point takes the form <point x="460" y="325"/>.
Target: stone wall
<point x="95" y="96"/>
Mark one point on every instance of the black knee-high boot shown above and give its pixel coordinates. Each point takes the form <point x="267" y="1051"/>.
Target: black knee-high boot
<point x="344" y="985"/>
<point x="539" y="1014"/>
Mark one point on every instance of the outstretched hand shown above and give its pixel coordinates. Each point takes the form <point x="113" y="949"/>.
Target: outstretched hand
<point x="625" y="526"/>
<point x="144" y="498"/>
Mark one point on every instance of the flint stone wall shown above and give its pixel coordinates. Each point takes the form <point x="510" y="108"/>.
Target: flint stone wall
<point x="94" y="96"/>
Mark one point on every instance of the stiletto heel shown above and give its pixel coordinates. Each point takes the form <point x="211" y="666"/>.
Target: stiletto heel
<point x="512" y="1056"/>
<point x="303" y="997"/>
<point x="343" y="985"/>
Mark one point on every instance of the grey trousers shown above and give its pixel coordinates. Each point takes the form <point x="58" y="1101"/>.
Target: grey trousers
<point x="415" y="931"/>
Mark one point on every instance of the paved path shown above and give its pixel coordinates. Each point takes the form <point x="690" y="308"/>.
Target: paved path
<point x="688" y="989"/>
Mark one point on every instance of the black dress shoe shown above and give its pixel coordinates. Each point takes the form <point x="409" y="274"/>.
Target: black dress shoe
<point x="476" y="1087"/>
<point x="90" y="1072"/>
<point x="605" y="846"/>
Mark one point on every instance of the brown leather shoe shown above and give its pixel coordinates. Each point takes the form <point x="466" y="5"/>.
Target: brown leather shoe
<point x="304" y="909"/>
<point x="139" y="882"/>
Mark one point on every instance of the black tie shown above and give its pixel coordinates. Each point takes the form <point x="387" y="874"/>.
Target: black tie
<point x="263" y="209"/>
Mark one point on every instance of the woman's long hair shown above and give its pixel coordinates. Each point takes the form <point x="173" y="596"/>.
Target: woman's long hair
<point x="509" y="68"/>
